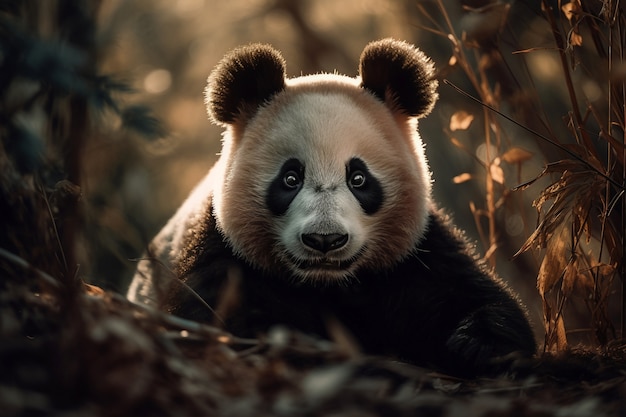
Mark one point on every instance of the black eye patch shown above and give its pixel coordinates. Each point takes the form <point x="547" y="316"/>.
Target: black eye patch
<point x="285" y="187"/>
<point x="364" y="186"/>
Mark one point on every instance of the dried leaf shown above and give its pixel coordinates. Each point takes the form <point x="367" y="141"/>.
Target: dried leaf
<point x="461" y="120"/>
<point x="570" y="276"/>
<point x="572" y="10"/>
<point x="554" y="264"/>
<point x="461" y="178"/>
<point x="549" y="283"/>
<point x="496" y="172"/>
<point x="604" y="270"/>
<point x="572" y="197"/>
<point x="556" y="338"/>
<point x="560" y="335"/>
<point x="565" y="270"/>
<point x="458" y="143"/>
<point x="516" y="155"/>
<point x="575" y="39"/>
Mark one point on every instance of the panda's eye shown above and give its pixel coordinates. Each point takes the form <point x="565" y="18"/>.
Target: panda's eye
<point x="285" y="186"/>
<point x="364" y="185"/>
<point x="357" y="179"/>
<point x="291" y="179"/>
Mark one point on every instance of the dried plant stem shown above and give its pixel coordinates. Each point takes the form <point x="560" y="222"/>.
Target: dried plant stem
<point x="53" y="225"/>
<point x="481" y="85"/>
<point x="614" y="50"/>
<point x="490" y="196"/>
<point x="561" y="47"/>
<point x="622" y="269"/>
<point x="614" y="22"/>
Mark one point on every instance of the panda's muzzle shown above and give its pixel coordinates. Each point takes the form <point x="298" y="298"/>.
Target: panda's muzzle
<point x="324" y="245"/>
<point x="323" y="256"/>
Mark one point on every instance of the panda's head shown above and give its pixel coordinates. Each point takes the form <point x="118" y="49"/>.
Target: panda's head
<point x="322" y="175"/>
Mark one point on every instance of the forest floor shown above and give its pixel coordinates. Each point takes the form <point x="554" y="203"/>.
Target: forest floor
<point x="95" y="353"/>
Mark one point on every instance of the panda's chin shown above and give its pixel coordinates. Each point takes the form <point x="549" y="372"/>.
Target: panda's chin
<point x="326" y="271"/>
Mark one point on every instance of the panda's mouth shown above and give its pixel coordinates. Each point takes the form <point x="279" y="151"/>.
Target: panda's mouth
<point x="323" y="264"/>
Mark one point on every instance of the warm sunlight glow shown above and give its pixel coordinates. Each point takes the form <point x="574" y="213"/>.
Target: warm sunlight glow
<point x="157" y="81"/>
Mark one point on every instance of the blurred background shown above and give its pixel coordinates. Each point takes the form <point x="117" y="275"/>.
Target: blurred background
<point x="501" y="52"/>
<point x="167" y="49"/>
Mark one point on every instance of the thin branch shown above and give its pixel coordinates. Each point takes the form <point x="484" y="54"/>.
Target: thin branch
<point x="13" y="258"/>
<point x="568" y="77"/>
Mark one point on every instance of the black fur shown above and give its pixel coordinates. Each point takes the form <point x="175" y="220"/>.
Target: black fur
<point x="280" y="194"/>
<point x="400" y="75"/>
<point x="242" y="81"/>
<point x="438" y="308"/>
<point x="370" y="195"/>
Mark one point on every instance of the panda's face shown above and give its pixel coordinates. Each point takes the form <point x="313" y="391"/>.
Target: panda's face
<point x="322" y="182"/>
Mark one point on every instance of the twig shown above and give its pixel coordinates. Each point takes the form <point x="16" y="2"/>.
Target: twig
<point x="568" y="77"/>
<point x="53" y="222"/>
<point x="9" y="256"/>
<point x="154" y="260"/>
<point x="181" y="324"/>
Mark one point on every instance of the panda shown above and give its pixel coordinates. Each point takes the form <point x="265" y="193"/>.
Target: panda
<point x="319" y="211"/>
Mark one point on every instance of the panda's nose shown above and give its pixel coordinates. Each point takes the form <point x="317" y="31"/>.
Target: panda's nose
<point x="324" y="243"/>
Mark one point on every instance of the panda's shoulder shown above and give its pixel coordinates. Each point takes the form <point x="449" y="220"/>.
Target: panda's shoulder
<point x="192" y="226"/>
<point x="445" y="250"/>
<point x="441" y="232"/>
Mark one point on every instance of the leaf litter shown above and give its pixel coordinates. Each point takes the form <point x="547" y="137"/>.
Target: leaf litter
<point x="115" y="358"/>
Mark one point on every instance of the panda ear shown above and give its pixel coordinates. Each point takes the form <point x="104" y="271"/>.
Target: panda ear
<point x="242" y="81"/>
<point x="400" y="75"/>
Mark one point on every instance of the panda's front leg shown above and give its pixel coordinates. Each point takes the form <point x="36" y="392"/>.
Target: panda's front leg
<point x="489" y="340"/>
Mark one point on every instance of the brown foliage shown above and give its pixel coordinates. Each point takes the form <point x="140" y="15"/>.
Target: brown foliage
<point x="582" y="212"/>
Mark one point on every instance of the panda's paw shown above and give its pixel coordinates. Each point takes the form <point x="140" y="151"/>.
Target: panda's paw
<point x="488" y="342"/>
